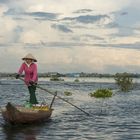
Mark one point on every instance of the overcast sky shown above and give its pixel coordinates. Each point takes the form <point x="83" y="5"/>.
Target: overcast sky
<point x="71" y="36"/>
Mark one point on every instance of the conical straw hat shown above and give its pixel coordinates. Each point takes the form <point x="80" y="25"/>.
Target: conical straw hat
<point x="29" y="56"/>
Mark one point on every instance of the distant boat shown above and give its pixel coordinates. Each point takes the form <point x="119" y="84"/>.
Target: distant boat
<point x="21" y="115"/>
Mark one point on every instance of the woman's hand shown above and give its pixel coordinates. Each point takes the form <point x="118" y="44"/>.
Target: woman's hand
<point x="17" y="76"/>
<point x="31" y="83"/>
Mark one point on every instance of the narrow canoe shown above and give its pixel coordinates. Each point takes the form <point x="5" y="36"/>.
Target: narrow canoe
<point x="21" y="115"/>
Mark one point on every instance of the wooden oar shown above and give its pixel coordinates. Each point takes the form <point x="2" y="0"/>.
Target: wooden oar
<point x="52" y="93"/>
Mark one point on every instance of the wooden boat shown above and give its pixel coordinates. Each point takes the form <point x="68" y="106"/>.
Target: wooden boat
<point x="21" y="115"/>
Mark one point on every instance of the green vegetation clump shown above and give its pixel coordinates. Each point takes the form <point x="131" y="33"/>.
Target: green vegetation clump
<point x="68" y="93"/>
<point x="55" y="78"/>
<point x="102" y="93"/>
<point x="124" y="81"/>
<point x="76" y="80"/>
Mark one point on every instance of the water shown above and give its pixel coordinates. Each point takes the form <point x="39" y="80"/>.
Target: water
<point x="116" y="118"/>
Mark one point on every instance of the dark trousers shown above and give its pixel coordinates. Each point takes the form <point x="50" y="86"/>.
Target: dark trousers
<point x="33" y="99"/>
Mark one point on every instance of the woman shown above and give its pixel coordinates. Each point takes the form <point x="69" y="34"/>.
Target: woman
<point x="31" y="77"/>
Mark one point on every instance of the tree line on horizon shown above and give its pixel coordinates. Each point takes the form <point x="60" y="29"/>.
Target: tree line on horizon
<point x="81" y="74"/>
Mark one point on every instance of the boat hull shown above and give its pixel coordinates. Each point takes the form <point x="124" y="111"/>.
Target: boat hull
<point x="20" y="115"/>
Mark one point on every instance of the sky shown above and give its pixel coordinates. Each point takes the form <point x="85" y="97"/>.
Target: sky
<point x="94" y="36"/>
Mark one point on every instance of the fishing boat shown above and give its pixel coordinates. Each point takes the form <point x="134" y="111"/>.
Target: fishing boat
<point x="16" y="114"/>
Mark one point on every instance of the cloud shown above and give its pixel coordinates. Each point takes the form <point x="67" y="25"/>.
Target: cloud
<point x="62" y="28"/>
<point x="119" y="69"/>
<point x="30" y="36"/>
<point x="123" y="32"/>
<point x="3" y="8"/>
<point x="91" y="18"/>
<point x="67" y="6"/>
<point x="12" y="11"/>
<point x="80" y="11"/>
<point x="93" y="37"/>
<point x="43" y="15"/>
<point x="7" y="26"/>
<point x="135" y="45"/>
<point x="76" y="58"/>
<point x="17" y="33"/>
<point x="72" y="35"/>
<point x="4" y="1"/>
<point x="112" y="25"/>
<point x="86" y="19"/>
<point x="39" y="15"/>
<point x="124" y="13"/>
<point x="86" y="59"/>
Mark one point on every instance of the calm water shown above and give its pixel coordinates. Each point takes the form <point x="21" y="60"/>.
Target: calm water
<point x="116" y="118"/>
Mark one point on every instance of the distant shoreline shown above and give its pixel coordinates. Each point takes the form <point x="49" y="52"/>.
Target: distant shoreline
<point x="75" y="75"/>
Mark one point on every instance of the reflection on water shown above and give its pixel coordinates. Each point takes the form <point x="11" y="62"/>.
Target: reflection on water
<point x="26" y="132"/>
<point x="116" y="118"/>
<point x="18" y="132"/>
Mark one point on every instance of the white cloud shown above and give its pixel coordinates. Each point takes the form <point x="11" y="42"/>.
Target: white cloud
<point x="3" y="8"/>
<point x="30" y="37"/>
<point x="86" y="59"/>
<point x="69" y="58"/>
<point x="7" y="26"/>
<point x="67" y="7"/>
<point x="125" y="40"/>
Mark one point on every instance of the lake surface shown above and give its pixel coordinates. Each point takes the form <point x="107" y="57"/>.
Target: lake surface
<point x="116" y="118"/>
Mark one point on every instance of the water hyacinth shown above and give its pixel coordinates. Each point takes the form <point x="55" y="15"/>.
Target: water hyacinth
<point x="55" y="78"/>
<point x="101" y="93"/>
<point x="76" y="80"/>
<point x="68" y="93"/>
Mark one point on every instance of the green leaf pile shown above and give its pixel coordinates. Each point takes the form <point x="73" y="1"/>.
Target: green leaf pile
<point x="102" y="93"/>
<point x="67" y="93"/>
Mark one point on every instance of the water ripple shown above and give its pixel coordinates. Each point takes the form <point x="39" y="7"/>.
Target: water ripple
<point x="116" y="118"/>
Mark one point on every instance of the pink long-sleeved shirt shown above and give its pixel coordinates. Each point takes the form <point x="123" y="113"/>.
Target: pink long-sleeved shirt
<point x="30" y="72"/>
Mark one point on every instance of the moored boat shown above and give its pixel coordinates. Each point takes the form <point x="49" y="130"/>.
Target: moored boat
<point x="21" y="115"/>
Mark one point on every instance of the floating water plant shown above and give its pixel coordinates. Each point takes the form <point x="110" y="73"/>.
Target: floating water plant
<point x="55" y="78"/>
<point x="76" y="80"/>
<point x="101" y="93"/>
<point x="68" y="93"/>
